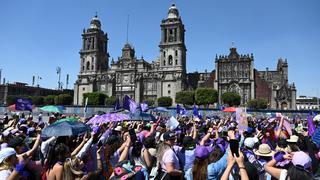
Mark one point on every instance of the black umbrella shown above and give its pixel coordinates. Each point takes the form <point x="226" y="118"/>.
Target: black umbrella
<point x="65" y="128"/>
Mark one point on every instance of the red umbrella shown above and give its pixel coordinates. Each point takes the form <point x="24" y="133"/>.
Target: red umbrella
<point x="230" y="109"/>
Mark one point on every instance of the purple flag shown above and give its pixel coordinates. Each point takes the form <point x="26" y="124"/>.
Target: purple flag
<point x="311" y="127"/>
<point x="183" y="112"/>
<point x="129" y="104"/>
<point x="178" y="109"/>
<point x="195" y="111"/>
<point x="144" y="107"/>
<point x="287" y="125"/>
<point x="23" y="104"/>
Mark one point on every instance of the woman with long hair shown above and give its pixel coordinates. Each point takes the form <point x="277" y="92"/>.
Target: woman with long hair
<point x="209" y="163"/>
<point x="167" y="159"/>
<point x="55" y="161"/>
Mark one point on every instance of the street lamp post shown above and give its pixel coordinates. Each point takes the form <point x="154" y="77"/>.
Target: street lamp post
<point x="59" y="74"/>
<point x="0" y="75"/>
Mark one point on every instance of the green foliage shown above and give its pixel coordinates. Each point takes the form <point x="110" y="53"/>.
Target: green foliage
<point x="149" y="101"/>
<point x="110" y="101"/>
<point x="49" y="100"/>
<point x="37" y="100"/>
<point x="165" y="101"/>
<point x="206" y="96"/>
<point x="231" y="98"/>
<point x="252" y="104"/>
<point x="185" y="97"/>
<point x="63" y="99"/>
<point x="94" y="98"/>
<point x="260" y="103"/>
<point x="11" y="100"/>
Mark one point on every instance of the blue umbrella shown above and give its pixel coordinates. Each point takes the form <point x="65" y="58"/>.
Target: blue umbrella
<point x="65" y="128"/>
<point x="138" y="116"/>
<point x="161" y="109"/>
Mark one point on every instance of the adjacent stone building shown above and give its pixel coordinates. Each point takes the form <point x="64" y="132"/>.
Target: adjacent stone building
<point x="141" y="79"/>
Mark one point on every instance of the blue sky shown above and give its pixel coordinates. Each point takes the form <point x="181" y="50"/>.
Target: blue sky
<point x="37" y="36"/>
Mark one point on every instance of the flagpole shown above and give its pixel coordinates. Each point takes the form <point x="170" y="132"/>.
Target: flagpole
<point x="85" y="108"/>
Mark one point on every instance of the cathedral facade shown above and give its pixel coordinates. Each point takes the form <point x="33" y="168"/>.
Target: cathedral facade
<point x="141" y="80"/>
<point x="130" y="75"/>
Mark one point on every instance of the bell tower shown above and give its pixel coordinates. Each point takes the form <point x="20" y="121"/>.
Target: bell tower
<point x="94" y="54"/>
<point x="172" y="44"/>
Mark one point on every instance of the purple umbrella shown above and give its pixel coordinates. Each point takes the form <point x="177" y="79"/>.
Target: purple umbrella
<point x="113" y="117"/>
<point x="94" y="120"/>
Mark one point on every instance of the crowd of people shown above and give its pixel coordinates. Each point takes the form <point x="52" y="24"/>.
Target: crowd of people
<point x="197" y="149"/>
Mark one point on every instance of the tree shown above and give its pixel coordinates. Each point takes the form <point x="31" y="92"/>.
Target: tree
<point x="94" y="98"/>
<point x="262" y="103"/>
<point x="149" y="101"/>
<point x="37" y="100"/>
<point x="231" y="98"/>
<point x="49" y="100"/>
<point x="63" y="99"/>
<point x="252" y="104"/>
<point x="165" y="101"/>
<point x="206" y="96"/>
<point x="110" y="101"/>
<point x="185" y="97"/>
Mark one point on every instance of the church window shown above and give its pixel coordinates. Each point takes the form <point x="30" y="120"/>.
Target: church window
<point x="164" y="54"/>
<point x="169" y="92"/>
<point x="92" y="67"/>
<point x="170" y="60"/>
<point x="88" y="65"/>
<point x="170" y="31"/>
<point x="169" y="85"/>
<point x="82" y="68"/>
<point x="176" y="62"/>
<point x="83" y="89"/>
<point x="176" y="53"/>
<point x="164" y="62"/>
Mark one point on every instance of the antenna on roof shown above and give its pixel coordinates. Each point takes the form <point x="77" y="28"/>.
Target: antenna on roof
<point x="127" y="28"/>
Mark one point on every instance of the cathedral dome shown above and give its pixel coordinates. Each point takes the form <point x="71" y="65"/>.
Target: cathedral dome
<point x="95" y="23"/>
<point x="173" y="12"/>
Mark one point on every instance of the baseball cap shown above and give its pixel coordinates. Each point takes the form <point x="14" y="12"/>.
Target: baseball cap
<point x="6" y="152"/>
<point x="301" y="159"/>
<point x="202" y="152"/>
<point x="169" y="135"/>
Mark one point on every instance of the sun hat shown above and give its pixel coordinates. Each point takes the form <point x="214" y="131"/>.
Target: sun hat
<point x="169" y="135"/>
<point x="293" y="139"/>
<point x="301" y="159"/>
<point x="264" y="150"/>
<point x="6" y="152"/>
